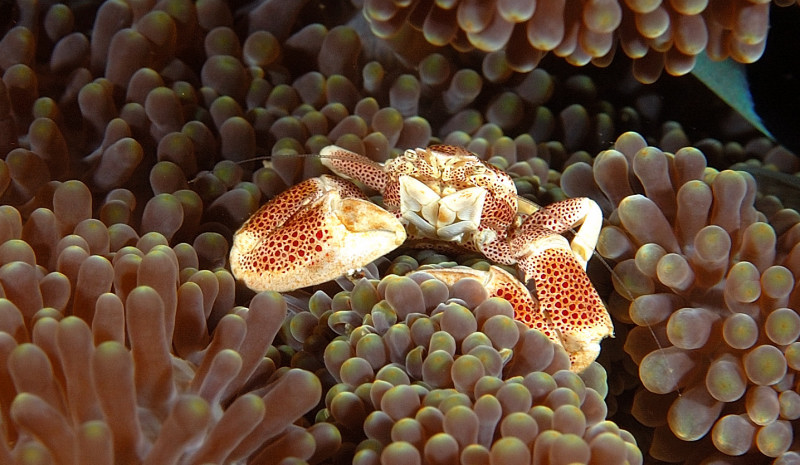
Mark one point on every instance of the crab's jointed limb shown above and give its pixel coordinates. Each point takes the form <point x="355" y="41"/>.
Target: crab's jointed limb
<point x="560" y="217"/>
<point x="310" y="234"/>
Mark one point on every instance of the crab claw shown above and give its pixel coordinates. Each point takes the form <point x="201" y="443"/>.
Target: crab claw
<point x="500" y="283"/>
<point x="312" y="233"/>
<point x="580" y="338"/>
<point x="568" y="298"/>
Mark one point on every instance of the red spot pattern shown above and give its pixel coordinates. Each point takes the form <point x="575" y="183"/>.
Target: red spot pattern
<point x="345" y="188"/>
<point x="354" y="166"/>
<point x="391" y="196"/>
<point x="291" y="247"/>
<point x="500" y="206"/>
<point x="561" y="216"/>
<point x="426" y="165"/>
<point x="565" y="292"/>
<point x="288" y="233"/>
<point x="453" y="150"/>
<point x="277" y="211"/>
<point x="526" y="311"/>
<point x="497" y="250"/>
<point x="417" y="163"/>
<point x="528" y="233"/>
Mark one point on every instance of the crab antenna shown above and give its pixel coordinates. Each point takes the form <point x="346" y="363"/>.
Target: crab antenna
<point x="277" y="155"/>
<point x="343" y="162"/>
<point x="340" y="154"/>
<point x="260" y="158"/>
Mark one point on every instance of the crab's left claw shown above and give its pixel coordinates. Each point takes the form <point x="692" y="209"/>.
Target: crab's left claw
<point x="312" y="233"/>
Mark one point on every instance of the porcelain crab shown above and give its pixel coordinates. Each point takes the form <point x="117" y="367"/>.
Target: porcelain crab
<point x="322" y="227"/>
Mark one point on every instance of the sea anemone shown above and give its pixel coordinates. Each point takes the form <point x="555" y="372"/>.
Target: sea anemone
<point x="656" y="35"/>
<point x="710" y="283"/>
<point x="127" y="133"/>
<point x="423" y="372"/>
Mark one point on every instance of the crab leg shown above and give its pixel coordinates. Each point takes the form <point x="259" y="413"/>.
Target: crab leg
<point x="565" y="215"/>
<point x="351" y="165"/>
<point x="312" y="233"/>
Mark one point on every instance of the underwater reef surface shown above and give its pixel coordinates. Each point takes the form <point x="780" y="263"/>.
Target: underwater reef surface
<point x="128" y="131"/>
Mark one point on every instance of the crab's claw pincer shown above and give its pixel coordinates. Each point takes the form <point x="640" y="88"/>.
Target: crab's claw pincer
<point x="312" y="233"/>
<point x="500" y="283"/>
<point x="568" y="310"/>
<point x="570" y="301"/>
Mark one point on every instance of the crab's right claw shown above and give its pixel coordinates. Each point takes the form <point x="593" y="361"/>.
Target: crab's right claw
<point x="312" y="233"/>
